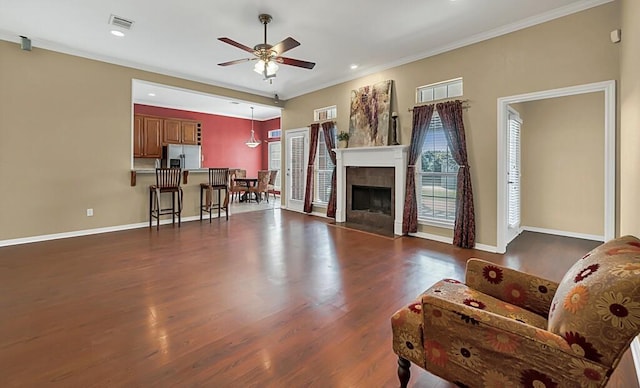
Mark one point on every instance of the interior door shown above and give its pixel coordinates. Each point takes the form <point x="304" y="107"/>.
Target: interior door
<point x="297" y="146"/>
<point x="514" y="126"/>
<point x="275" y="161"/>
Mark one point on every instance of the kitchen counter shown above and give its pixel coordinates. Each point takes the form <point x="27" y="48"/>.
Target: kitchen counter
<point x="185" y="173"/>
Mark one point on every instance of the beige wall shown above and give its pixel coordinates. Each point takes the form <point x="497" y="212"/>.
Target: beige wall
<point x="65" y="143"/>
<point x="65" y="122"/>
<point x="630" y="119"/>
<point x="563" y="163"/>
<point x="569" y="51"/>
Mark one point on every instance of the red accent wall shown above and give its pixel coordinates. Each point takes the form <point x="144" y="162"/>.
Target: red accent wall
<point x="223" y="138"/>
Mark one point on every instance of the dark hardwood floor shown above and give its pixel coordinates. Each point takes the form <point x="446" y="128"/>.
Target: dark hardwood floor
<point x="266" y="299"/>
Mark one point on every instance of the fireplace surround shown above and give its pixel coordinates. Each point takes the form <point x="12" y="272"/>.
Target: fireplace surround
<point x="384" y="156"/>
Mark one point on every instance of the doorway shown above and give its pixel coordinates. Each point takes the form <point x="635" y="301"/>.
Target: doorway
<point x="297" y="152"/>
<point x="514" y="174"/>
<point x="275" y="162"/>
<point x="608" y="88"/>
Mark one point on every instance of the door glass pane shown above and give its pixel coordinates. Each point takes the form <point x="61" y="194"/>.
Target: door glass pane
<point x="297" y="168"/>
<point x="274" y="161"/>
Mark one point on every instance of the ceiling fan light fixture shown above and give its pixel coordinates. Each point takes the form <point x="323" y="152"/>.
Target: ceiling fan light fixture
<point x="259" y="67"/>
<point x="272" y="67"/>
<point x="267" y="54"/>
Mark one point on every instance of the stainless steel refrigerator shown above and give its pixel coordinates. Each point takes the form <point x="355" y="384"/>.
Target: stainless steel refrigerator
<point x="187" y="157"/>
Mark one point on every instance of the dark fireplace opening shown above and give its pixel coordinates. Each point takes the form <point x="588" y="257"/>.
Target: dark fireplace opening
<point x="371" y="199"/>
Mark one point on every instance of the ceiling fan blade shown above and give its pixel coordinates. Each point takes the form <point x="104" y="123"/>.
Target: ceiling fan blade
<point x="236" y="44"/>
<point x="295" y="62"/>
<point x="236" y="61"/>
<point x="285" y="45"/>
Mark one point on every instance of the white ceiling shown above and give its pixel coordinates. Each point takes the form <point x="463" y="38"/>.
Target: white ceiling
<point x="180" y="38"/>
<point x="149" y="93"/>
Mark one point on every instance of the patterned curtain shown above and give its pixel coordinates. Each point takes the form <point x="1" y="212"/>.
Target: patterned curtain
<point x="421" y="119"/>
<point x="329" y="130"/>
<point x="313" y="149"/>
<point x="464" y="232"/>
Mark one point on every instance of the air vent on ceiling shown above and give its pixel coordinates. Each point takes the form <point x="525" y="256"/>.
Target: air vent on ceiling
<point x="120" y="22"/>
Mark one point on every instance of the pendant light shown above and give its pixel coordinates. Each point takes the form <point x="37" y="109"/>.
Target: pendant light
<point x="252" y="143"/>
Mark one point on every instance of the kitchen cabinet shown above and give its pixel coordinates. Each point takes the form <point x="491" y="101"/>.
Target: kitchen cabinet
<point x="190" y="132"/>
<point x="147" y="133"/>
<point x="138" y="136"/>
<point x="180" y="132"/>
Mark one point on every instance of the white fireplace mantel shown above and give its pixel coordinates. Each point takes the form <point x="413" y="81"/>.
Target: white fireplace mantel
<point x="383" y="156"/>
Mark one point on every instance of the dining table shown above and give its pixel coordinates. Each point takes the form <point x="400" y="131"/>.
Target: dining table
<point x="249" y="182"/>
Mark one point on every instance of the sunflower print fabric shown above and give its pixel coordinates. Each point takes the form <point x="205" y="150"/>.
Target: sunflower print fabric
<point x="505" y="328"/>
<point x="597" y="305"/>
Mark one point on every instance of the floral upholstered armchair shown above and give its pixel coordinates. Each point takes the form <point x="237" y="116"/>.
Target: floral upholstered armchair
<point x="505" y="328"/>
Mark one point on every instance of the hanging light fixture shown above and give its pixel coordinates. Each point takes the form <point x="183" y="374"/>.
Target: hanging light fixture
<point x="252" y="143"/>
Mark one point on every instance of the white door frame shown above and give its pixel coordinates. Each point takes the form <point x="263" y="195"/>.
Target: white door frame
<point x="609" y="89"/>
<point x="291" y="204"/>
<point x="514" y="231"/>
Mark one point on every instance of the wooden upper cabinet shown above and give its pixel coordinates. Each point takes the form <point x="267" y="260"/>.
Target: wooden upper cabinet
<point x="180" y="132"/>
<point x="147" y="133"/>
<point x="172" y="131"/>
<point x="189" y="132"/>
<point x="152" y="144"/>
<point x="150" y="133"/>
<point x="138" y="136"/>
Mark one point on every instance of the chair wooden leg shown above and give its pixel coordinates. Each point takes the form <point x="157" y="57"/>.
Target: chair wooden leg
<point x="201" y="190"/>
<point x="157" y="208"/>
<point x="150" y="207"/>
<point x="404" y="374"/>
<point x="180" y="195"/>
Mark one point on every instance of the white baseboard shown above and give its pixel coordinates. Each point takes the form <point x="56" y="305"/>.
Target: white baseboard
<point x="564" y="233"/>
<point x="449" y="240"/>
<point x="87" y="232"/>
<point x="322" y="215"/>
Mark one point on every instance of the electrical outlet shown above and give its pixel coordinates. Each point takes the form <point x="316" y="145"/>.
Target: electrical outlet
<point x="89" y="212"/>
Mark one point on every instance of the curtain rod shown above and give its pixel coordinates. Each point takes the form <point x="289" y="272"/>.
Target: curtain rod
<point x="465" y="103"/>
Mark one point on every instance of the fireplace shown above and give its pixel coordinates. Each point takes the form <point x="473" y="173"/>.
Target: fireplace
<point x="375" y="171"/>
<point x="369" y="197"/>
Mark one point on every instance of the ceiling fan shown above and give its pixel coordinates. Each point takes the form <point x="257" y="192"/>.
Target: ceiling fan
<point x="267" y="55"/>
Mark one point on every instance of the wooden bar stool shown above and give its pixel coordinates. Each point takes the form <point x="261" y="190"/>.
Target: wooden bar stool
<point x="218" y="181"/>
<point x="167" y="181"/>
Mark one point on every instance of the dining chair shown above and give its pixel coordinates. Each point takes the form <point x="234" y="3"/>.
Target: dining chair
<point x="237" y="188"/>
<point x="271" y="187"/>
<point x="218" y="181"/>
<point x="261" y="186"/>
<point x="167" y="181"/>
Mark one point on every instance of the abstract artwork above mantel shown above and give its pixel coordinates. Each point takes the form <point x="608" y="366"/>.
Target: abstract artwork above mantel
<point x="369" y="119"/>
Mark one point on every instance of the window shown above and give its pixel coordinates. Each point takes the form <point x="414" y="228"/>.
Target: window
<point x="328" y="113"/>
<point x="436" y="178"/>
<point x="439" y="90"/>
<point x="274" y="134"/>
<point x="322" y="172"/>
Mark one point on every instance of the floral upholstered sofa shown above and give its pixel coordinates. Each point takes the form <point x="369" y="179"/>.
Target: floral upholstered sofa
<point x="505" y="328"/>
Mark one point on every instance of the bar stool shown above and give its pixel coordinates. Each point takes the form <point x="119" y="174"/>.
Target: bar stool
<point x="167" y="181"/>
<point x="218" y="180"/>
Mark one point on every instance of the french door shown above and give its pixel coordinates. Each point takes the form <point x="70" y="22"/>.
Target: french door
<point x="275" y="161"/>
<point x="297" y="148"/>
<point x="514" y="125"/>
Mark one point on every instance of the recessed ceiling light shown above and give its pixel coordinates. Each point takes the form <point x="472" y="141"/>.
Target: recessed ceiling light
<point x="117" y="33"/>
<point x="151" y="94"/>
<point x="354" y="66"/>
